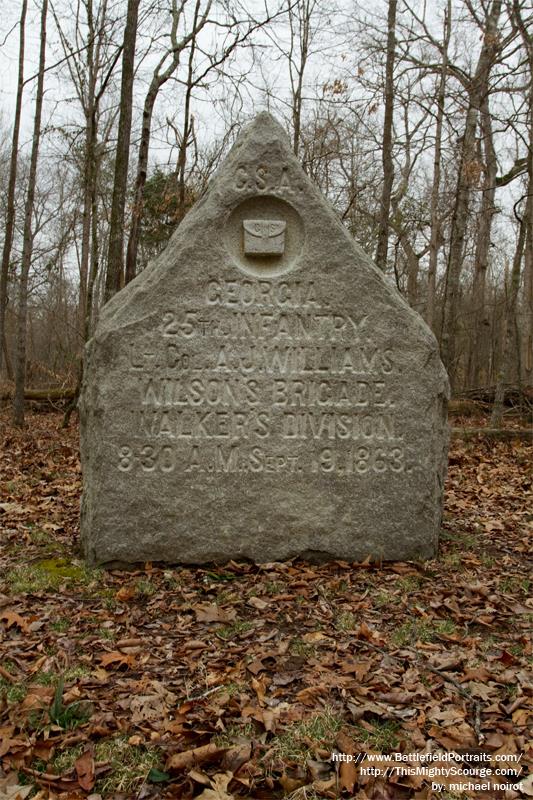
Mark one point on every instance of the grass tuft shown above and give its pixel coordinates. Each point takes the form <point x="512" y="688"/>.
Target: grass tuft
<point x="130" y="765"/>
<point x="234" y="630"/>
<point x="50" y="574"/>
<point x="299" y="740"/>
<point x="383" y="736"/>
<point x="422" y="631"/>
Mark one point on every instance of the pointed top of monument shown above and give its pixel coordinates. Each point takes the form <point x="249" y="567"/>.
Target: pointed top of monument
<point x="262" y="131"/>
<point x="263" y="123"/>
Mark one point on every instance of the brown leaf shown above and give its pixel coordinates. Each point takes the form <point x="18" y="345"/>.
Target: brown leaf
<point x="328" y="788"/>
<point x="198" y="755"/>
<point x="257" y="602"/>
<point x="235" y="757"/>
<point x="259" y="688"/>
<point x="126" y="593"/>
<point x="209" y="612"/>
<point x="255" y="667"/>
<point x="310" y="693"/>
<point x="118" y="659"/>
<point x="345" y="743"/>
<point x="315" y="636"/>
<point x="84" y="766"/>
<point x="267" y="717"/>
<point x="293" y="779"/>
<point x="526" y="786"/>
<point x="199" y="777"/>
<point x="12" y="618"/>
<point x="219" y="785"/>
<point x="396" y="697"/>
<point x="364" y="632"/>
<point x="347" y="776"/>
<point x="194" y="644"/>
<point x="454" y="736"/>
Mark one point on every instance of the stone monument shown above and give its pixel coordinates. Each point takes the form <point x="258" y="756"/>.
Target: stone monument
<point x="260" y="391"/>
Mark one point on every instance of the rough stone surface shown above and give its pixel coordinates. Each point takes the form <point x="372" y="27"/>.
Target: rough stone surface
<point x="260" y="391"/>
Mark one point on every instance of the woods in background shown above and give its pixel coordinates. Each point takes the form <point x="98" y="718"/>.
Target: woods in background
<point x="415" y="121"/>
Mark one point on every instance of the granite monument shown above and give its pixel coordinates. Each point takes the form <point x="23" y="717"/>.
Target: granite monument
<point x="260" y="391"/>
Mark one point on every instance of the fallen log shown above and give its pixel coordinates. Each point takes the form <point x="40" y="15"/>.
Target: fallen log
<point x="49" y="395"/>
<point x="497" y="434"/>
<point x="515" y="396"/>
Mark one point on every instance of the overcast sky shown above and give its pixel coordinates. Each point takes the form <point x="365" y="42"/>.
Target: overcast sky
<point x="327" y="49"/>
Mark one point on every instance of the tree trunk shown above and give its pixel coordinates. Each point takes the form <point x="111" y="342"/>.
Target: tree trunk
<point x="527" y="335"/>
<point x="187" y="125"/>
<point x="467" y="177"/>
<point x="304" y="11"/>
<point x="10" y="201"/>
<point x="115" y="257"/>
<point x="435" y="239"/>
<point x="158" y="80"/>
<point x="388" y="164"/>
<point x="27" y="247"/>
<point x="488" y="209"/>
<point x="527" y="326"/>
<point x="502" y="377"/>
<point x="88" y="174"/>
<point x="413" y="265"/>
<point x="142" y="166"/>
<point x="95" y="262"/>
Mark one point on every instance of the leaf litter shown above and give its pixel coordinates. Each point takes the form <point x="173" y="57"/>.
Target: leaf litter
<point x="241" y="681"/>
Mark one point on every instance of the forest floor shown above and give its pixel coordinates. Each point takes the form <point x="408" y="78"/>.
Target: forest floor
<point x="241" y="681"/>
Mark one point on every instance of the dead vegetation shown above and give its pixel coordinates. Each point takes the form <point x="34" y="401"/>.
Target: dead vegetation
<point x="241" y="681"/>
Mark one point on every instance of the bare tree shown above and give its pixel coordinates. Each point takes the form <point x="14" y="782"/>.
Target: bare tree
<point x="161" y="75"/>
<point x="27" y="248"/>
<point x="436" y="233"/>
<point x="10" y="204"/>
<point x="387" y="160"/>
<point x="527" y="328"/>
<point x="214" y="61"/>
<point x="483" y="241"/>
<point x="90" y="68"/>
<point x="509" y="321"/>
<point x="115" y="257"/>
<point x="476" y="87"/>
<point x="300" y="23"/>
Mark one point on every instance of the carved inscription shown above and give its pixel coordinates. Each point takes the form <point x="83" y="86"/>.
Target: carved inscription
<point x="265" y="179"/>
<point x="286" y="384"/>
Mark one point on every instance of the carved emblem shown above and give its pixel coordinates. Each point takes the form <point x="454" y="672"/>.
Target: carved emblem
<point x="264" y="237"/>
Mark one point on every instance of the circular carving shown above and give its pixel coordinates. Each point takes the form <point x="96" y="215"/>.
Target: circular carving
<point x="265" y="236"/>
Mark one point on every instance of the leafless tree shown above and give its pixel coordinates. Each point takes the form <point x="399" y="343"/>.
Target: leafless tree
<point x="115" y="257"/>
<point x="476" y="87"/>
<point x="435" y="215"/>
<point x="164" y="70"/>
<point x="22" y="306"/>
<point x="10" y="203"/>
<point x="387" y="160"/>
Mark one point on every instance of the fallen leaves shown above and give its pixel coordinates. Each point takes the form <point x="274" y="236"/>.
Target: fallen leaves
<point x="240" y="681"/>
<point x="10" y="789"/>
